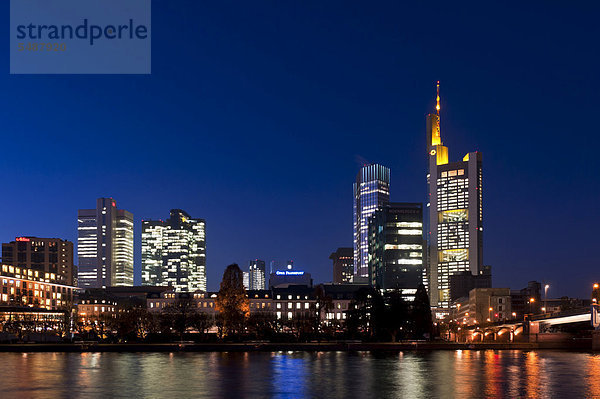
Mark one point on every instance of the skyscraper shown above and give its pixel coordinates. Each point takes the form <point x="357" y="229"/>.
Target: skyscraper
<point x="105" y="245"/>
<point x="174" y="252"/>
<point x="256" y="274"/>
<point x="343" y="265"/>
<point x="371" y="191"/>
<point x="455" y="214"/>
<point x="396" y="247"/>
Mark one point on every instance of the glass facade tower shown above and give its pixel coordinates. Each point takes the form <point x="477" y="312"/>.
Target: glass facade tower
<point x="174" y="252"/>
<point x="105" y="245"/>
<point x="256" y="274"/>
<point x="396" y="247"/>
<point x="371" y="191"/>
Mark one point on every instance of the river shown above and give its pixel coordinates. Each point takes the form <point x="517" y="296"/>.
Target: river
<point x="432" y="374"/>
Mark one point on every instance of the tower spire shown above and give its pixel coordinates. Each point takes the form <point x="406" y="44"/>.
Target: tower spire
<point x="437" y="107"/>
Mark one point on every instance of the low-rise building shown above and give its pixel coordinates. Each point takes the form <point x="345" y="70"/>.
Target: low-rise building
<point x="490" y="304"/>
<point x="284" y="303"/>
<point x="484" y="305"/>
<point x="33" y="288"/>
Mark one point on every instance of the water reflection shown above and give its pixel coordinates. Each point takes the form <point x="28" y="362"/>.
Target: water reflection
<point x="437" y="374"/>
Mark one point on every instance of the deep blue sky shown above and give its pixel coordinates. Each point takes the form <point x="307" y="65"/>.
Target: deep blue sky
<point x="256" y="114"/>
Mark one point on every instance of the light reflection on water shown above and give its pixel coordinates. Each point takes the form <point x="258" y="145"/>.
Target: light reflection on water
<point x="435" y="374"/>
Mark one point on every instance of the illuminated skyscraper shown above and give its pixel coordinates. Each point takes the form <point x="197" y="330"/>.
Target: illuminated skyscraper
<point x="105" y="245"/>
<point x="256" y="274"/>
<point x="246" y="280"/>
<point x="396" y="247"/>
<point x="371" y="191"/>
<point x="174" y="252"/>
<point x="455" y="214"/>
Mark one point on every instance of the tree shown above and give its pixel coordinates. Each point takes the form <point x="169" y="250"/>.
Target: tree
<point x="181" y="314"/>
<point x="232" y="302"/>
<point x="421" y="314"/>
<point x="359" y="312"/>
<point x="323" y="303"/>
<point x="67" y="320"/>
<point x="201" y="322"/>
<point x="397" y="317"/>
<point x="263" y="324"/>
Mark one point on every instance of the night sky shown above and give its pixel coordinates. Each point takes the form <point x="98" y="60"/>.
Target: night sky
<point x="257" y="116"/>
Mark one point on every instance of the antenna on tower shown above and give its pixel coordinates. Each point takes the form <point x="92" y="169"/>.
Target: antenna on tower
<point x="437" y="107"/>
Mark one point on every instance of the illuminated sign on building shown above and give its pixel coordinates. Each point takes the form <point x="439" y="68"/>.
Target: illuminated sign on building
<point x="288" y="273"/>
<point x="25" y="239"/>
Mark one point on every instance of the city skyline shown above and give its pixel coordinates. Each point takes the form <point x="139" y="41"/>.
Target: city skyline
<point x="514" y="98"/>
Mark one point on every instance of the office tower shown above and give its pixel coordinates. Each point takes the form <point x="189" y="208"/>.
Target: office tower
<point x="371" y="191"/>
<point x="455" y="214"/>
<point x="105" y="246"/>
<point x="256" y="274"/>
<point x="343" y="265"/>
<point x="246" y="280"/>
<point x="174" y="252"/>
<point x="51" y="257"/>
<point x="396" y="247"/>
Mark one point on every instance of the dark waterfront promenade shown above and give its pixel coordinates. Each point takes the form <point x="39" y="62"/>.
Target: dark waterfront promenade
<point x="310" y="347"/>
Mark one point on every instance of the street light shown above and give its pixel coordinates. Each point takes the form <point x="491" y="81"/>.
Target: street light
<point x="490" y="313"/>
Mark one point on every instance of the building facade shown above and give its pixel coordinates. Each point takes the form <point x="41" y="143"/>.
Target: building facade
<point x="463" y="282"/>
<point x="396" y="253"/>
<point x="105" y="245"/>
<point x="45" y="255"/>
<point x="455" y="215"/>
<point x="343" y="265"/>
<point x="371" y="191"/>
<point x="174" y="252"/>
<point x="256" y="275"/>
<point x="283" y="303"/>
<point x="28" y="287"/>
<point x="246" y="280"/>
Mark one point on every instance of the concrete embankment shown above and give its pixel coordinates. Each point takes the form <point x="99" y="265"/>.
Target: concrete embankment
<point x="274" y="347"/>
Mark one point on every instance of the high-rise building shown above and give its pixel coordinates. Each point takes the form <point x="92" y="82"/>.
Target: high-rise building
<point x="371" y="191"/>
<point x="51" y="257"/>
<point x="174" y="252"/>
<point x="246" y="280"/>
<point x="343" y="265"/>
<point x="396" y="247"/>
<point x="105" y="245"/>
<point x="256" y="274"/>
<point x="455" y="214"/>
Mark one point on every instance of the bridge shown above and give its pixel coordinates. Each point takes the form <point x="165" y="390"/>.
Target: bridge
<point x="556" y="327"/>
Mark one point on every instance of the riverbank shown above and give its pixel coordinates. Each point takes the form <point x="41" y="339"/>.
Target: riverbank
<point x="274" y="347"/>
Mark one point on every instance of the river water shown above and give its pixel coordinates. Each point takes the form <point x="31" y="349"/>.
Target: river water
<point x="435" y="374"/>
